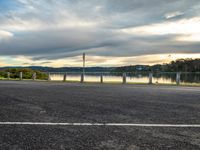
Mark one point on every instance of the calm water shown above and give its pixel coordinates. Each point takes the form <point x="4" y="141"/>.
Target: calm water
<point x="133" y="78"/>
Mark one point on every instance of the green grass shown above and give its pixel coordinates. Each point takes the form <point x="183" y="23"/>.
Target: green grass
<point x="190" y="84"/>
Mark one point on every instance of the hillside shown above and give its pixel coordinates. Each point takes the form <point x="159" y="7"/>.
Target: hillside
<point x="182" y="65"/>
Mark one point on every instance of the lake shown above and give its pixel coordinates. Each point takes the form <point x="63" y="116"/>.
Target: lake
<point x="162" y="78"/>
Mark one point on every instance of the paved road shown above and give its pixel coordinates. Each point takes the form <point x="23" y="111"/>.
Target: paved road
<point x="22" y="101"/>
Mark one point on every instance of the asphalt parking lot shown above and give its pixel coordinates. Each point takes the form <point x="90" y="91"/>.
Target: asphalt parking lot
<point x="54" y="102"/>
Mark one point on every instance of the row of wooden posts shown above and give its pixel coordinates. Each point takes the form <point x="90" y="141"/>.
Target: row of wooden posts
<point x="34" y="76"/>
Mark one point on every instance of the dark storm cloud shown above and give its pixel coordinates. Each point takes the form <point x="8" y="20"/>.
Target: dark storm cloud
<point x="56" y="29"/>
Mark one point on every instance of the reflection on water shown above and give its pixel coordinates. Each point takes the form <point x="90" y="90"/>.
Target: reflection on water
<point x="112" y="78"/>
<point x="131" y="78"/>
<point x="59" y="77"/>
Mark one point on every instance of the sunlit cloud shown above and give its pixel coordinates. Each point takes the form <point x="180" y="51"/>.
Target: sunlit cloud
<point x="2" y="64"/>
<point x="189" y="38"/>
<point x="182" y="28"/>
<point x="173" y="14"/>
<point x="35" y="24"/>
<point x="5" y="35"/>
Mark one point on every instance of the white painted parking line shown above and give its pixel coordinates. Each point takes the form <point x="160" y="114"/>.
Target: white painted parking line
<point x="102" y="124"/>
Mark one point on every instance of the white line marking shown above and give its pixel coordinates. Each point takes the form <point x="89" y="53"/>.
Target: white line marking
<point x="102" y="124"/>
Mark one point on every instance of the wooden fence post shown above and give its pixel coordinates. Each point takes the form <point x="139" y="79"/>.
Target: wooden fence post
<point x="8" y="75"/>
<point x="49" y="77"/>
<point x="124" y="78"/>
<point x="34" y="76"/>
<point x="101" y="78"/>
<point x="150" y="78"/>
<point x="178" y="76"/>
<point x="21" y="76"/>
<point x="65" y="77"/>
<point x="82" y="77"/>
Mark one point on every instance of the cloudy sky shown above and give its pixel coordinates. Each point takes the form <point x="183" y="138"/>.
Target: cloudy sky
<point x="110" y="32"/>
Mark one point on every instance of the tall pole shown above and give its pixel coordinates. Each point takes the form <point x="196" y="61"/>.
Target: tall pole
<point x="83" y="74"/>
<point x="83" y="63"/>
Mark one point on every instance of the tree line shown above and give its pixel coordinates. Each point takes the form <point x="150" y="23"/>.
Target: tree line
<point x="179" y="65"/>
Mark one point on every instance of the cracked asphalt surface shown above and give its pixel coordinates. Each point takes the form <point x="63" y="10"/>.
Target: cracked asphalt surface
<point x="26" y="101"/>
